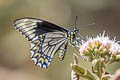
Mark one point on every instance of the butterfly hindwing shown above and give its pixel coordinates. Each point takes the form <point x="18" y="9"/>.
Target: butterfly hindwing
<point x="45" y="39"/>
<point x="44" y="48"/>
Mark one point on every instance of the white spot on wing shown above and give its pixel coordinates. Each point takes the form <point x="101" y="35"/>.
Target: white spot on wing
<point x="35" y="38"/>
<point x="32" y="53"/>
<point x="31" y="36"/>
<point x="44" y="66"/>
<point x="31" y="45"/>
<point x="39" y="64"/>
<point x="35" y="60"/>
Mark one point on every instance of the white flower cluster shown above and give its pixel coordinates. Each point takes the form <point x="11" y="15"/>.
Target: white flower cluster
<point x="101" y="46"/>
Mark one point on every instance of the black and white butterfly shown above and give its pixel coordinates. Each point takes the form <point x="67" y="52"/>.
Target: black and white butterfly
<point x="46" y="39"/>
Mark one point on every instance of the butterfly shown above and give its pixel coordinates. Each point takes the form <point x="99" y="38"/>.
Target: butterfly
<point x="46" y="39"/>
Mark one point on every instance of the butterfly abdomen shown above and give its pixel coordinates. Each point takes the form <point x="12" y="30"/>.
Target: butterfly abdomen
<point x="62" y="51"/>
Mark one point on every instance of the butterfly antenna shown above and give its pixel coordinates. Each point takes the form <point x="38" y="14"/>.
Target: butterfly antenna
<point x="92" y="24"/>
<point x="76" y="21"/>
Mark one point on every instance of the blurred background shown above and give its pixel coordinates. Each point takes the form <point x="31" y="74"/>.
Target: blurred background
<point x="15" y="63"/>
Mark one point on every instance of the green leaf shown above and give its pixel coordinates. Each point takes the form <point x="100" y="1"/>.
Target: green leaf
<point x="83" y="73"/>
<point x="106" y="77"/>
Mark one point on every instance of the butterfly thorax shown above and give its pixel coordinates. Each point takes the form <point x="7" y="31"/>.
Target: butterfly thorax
<point x="72" y="34"/>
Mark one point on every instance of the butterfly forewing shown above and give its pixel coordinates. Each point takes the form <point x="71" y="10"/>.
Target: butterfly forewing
<point x="45" y="39"/>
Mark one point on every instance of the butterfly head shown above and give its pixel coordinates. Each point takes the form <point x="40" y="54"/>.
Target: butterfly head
<point x="75" y="31"/>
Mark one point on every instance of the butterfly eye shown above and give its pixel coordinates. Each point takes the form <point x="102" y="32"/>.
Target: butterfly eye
<point x="76" y="31"/>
